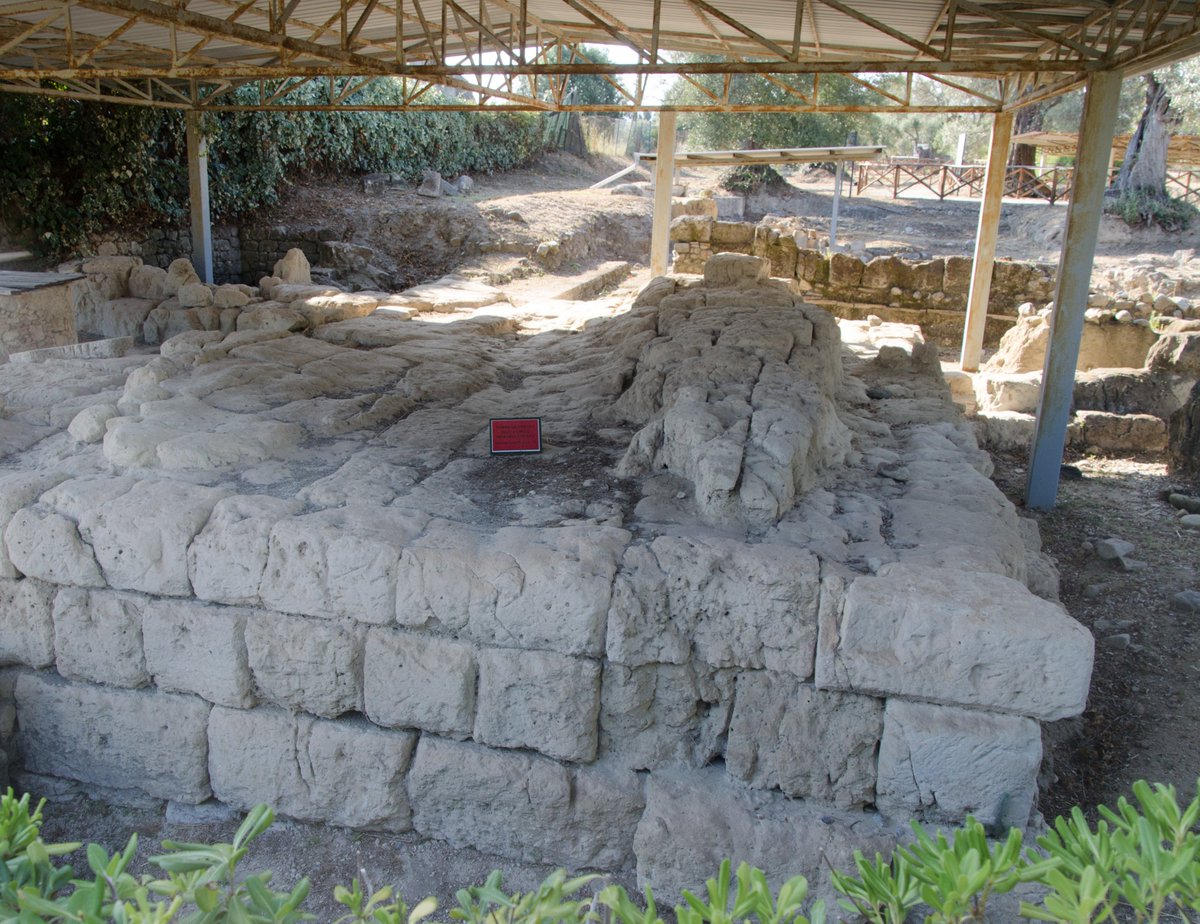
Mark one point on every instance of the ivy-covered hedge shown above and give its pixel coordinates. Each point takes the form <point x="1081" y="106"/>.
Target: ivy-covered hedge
<point x="70" y="169"/>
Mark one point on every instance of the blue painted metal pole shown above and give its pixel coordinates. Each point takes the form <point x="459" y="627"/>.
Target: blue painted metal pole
<point x="1074" y="278"/>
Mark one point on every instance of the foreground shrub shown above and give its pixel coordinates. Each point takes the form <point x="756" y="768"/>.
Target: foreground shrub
<point x="1142" y="209"/>
<point x="1140" y="862"/>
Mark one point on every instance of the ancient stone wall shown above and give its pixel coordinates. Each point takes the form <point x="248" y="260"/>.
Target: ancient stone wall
<point x="40" y="318"/>
<point x="757" y="599"/>
<point x="159" y="246"/>
<point x="940" y="284"/>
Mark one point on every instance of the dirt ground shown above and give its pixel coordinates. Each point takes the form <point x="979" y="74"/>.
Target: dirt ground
<point x="1143" y="718"/>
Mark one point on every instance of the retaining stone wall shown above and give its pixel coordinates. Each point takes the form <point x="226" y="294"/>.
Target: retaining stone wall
<point x="940" y="284"/>
<point x="32" y="320"/>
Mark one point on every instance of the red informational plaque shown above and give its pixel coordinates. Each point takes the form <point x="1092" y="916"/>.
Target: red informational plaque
<point x="516" y="434"/>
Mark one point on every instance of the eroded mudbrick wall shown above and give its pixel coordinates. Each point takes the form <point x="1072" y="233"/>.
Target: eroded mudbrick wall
<point x="757" y="599"/>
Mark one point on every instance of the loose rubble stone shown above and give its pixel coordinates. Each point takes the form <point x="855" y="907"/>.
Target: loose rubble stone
<point x="524" y="806"/>
<point x="1113" y="547"/>
<point x="106" y="736"/>
<point x="941" y="763"/>
<point x="1187" y="600"/>
<point x="293" y="269"/>
<point x="344" y="773"/>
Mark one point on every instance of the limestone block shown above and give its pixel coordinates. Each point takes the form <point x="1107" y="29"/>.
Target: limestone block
<point x="18" y="489"/>
<point x="346" y="772"/>
<point x="339" y="562"/>
<point x="1177" y="353"/>
<point x="272" y="317"/>
<point x="955" y="637"/>
<point x="527" y="587"/>
<point x="701" y="206"/>
<point x="90" y="424"/>
<point x="44" y="544"/>
<point x="141" y="538"/>
<point x="98" y="637"/>
<point x="539" y="700"/>
<point x="737" y="605"/>
<point x="148" y="282"/>
<point x="885" y="272"/>
<point x="523" y="806"/>
<point x="327" y="309"/>
<point x="313" y="665"/>
<point x="691" y="228"/>
<point x="180" y="273"/>
<point x="735" y="269"/>
<point x="122" y="317"/>
<point x="416" y="681"/>
<point x="194" y="648"/>
<point x="845" y="271"/>
<point x="941" y="763"/>
<point x="812" y="267"/>
<point x="694" y="819"/>
<point x="732" y="234"/>
<point x="26" y="624"/>
<point x="952" y="535"/>
<point x="1123" y="433"/>
<point x="957" y="279"/>
<point x="229" y="296"/>
<point x="807" y="742"/>
<point x="293" y="268"/>
<point x="105" y="736"/>
<point x="656" y="715"/>
<point x="227" y="559"/>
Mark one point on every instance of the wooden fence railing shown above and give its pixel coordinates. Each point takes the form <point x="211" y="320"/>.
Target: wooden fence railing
<point x="1051" y="184"/>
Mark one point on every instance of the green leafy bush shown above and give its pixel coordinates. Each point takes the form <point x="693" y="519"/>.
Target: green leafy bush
<point x="1140" y="209"/>
<point x="69" y="169"/>
<point x="746" y="181"/>
<point x="1140" y="862"/>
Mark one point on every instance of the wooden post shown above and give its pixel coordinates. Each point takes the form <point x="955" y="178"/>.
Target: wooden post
<point x="1074" y="277"/>
<point x="197" y="155"/>
<point x="985" y="242"/>
<point x="664" y="179"/>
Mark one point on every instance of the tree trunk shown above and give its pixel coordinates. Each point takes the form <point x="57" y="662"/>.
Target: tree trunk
<point x="1020" y="181"/>
<point x="1144" y="170"/>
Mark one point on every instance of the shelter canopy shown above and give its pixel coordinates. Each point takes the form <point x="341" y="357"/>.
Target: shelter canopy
<point x="517" y="53"/>
<point x="1182" y="150"/>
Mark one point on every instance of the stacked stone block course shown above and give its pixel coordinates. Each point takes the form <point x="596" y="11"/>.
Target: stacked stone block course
<point x="814" y="593"/>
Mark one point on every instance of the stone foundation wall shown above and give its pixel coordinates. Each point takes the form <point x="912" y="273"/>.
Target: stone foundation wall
<point x="160" y="246"/>
<point x="758" y="599"/>
<point x="36" y="319"/>
<point x="940" y="284"/>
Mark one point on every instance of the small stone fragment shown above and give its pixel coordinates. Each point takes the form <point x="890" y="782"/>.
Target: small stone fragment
<point x="1187" y="600"/>
<point x="1112" y="547"/>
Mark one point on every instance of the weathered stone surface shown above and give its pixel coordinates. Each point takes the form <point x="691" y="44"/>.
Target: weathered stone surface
<point x="657" y="715"/>
<point x="416" y="681"/>
<point x="808" y="743"/>
<point x="522" y="806"/>
<point x="44" y="544"/>
<point x="90" y="424"/>
<point x="338" y="563"/>
<point x="293" y="268"/>
<point x="122" y="317"/>
<point x="141" y="538"/>
<point x="313" y="665"/>
<point x="941" y="763"/>
<point x="98" y="637"/>
<point x="345" y="773"/>
<point x="694" y="819"/>
<point x="516" y="586"/>
<point x="227" y="559"/>
<point x="193" y="648"/>
<point x="17" y="489"/>
<point x="156" y="742"/>
<point x="1125" y="433"/>
<point x="734" y="269"/>
<point x="539" y="700"/>
<point x="230" y="297"/>
<point x="26" y="624"/>
<point x="956" y="637"/>
<point x="845" y="270"/>
<point x="735" y="605"/>
<point x="148" y="282"/>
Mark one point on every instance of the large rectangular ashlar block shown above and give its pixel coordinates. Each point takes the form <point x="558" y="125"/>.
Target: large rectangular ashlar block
<point x="346" y="772"/>
<point x="123" y="739"/>
<point x="419" y="681"/>
<point x="98" y="636"/>
<point x="195" y="648"/>
<point x="955" y="637"/>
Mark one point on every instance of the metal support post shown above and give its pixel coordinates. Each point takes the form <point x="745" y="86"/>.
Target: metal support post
<point x="664" y="180"/>
<point x="197" y="155"/>
<point x="1074" y="277"/>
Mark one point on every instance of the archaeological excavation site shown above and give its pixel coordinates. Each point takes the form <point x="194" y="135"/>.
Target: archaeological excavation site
<point x="770" y="583"/>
